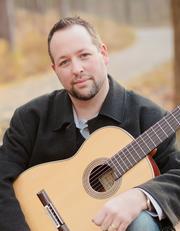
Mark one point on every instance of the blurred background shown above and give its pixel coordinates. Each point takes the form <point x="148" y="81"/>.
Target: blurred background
<point x="143" y="38"/>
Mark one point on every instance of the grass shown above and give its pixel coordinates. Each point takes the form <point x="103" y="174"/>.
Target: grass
<point x="116" y="36"/>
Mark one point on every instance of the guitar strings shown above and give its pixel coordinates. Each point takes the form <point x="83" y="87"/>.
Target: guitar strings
<point x="139" y="142"/>
<point x="124" y="156"/>
<point x="153" y="131"/>
<point x="121" y="158"/>
<point x="103" y="171"/>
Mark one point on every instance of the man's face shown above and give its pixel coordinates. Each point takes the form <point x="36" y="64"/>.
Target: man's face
<point x="78" y="63"/>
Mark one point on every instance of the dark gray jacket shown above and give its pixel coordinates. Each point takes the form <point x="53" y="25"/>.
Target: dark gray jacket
<point x="44" y="130"/>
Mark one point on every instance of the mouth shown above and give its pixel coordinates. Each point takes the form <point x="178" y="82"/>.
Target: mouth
<point x="81" y="82"/>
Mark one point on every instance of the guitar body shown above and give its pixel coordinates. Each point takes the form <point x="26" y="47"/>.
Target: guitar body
<point x="67" y="183"/>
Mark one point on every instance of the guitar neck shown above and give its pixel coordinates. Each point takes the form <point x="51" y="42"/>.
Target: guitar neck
<point x="130" y="155"/>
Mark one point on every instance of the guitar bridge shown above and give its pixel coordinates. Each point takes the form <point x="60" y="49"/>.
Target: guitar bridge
<point x="52" y="211"/>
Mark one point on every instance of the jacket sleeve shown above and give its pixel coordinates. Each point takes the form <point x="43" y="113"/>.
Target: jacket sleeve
<point x="141" y="114"/>
<point x="14" y="156"/>
<point x="166" y="188"/>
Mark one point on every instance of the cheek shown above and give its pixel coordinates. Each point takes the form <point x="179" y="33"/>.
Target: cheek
<point x="99" y="66"/>
<point x="93" y="66"/>
<point x="65" y="78"/>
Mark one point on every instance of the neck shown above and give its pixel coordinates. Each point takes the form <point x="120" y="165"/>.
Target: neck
<point x="88" y="109"/>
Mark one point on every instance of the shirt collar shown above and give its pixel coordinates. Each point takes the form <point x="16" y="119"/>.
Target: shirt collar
<point x="79" y="123"/>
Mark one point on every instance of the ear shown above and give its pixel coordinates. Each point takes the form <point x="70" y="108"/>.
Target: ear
<point x="53" y="66"/>
<point x="104" y="52"/>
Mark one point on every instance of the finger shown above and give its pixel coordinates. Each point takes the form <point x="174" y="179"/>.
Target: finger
<point x="99" y="218"/>
<point x="116" y="223"/>
<point x="122" y="227"/>
<point x="106" y="223"/>
<point x="113" y="227"/>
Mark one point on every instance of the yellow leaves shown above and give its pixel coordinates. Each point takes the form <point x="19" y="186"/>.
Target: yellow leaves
<point x="3" y="47"/>
<point x="115" y="35"/>
<point x="9" y="64"/>
<point x="30" y="56"/>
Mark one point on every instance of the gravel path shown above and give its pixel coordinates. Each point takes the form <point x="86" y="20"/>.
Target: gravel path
<point x="153" y="47"/>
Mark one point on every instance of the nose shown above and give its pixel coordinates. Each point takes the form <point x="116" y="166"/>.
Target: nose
<point x="76" y="67"/>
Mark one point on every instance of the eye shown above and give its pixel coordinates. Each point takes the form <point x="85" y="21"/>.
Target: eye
<point x="85" y="55"/>
<point x="64" y="62"/>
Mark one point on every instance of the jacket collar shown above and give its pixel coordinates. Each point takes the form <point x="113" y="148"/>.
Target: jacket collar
<point x="62" y="110"/>
<point x="114" y="104"/>
<point x="63" y="106"/>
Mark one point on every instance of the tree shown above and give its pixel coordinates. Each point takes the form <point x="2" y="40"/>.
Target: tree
<point x="7" y="21"/>
<point x="175" y="4"/>
<point x="64" y="7"/>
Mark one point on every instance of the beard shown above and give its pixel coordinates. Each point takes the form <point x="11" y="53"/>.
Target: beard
<point x="92" y="90"/>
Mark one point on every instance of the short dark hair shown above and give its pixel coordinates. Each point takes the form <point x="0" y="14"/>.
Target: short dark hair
<point x="70" y="21"/>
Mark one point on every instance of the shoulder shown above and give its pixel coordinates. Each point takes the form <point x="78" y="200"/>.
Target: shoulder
<point x="41" y="107"/>
<point x="144" y="111"/>
<point x="43" y="102"/>
<point x="143" y="105"/>
<point x="133" y="102"/>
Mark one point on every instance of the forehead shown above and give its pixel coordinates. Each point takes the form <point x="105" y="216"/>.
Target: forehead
<point x="71" y="37"/>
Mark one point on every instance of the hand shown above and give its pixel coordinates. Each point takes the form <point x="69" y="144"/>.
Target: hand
<point x="120" y="211"/>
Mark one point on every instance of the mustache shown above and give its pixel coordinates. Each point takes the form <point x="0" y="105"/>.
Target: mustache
<point x="81" y="76"/>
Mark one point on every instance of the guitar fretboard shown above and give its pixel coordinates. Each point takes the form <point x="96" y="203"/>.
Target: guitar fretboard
<point x="130" y="155"/>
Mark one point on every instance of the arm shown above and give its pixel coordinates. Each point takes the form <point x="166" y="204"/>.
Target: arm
<point x="124" y="208"/>
<point x="14" y="156"/>
<point x="165" y="189"/>
<point x="145" y="114"/>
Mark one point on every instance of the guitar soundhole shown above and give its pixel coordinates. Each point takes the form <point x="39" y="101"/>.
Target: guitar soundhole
<point x="101" y="178"/>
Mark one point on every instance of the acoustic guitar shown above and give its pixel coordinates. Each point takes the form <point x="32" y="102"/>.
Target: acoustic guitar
<point x="65" y="195"/>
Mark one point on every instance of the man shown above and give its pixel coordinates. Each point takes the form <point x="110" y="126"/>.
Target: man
<point x="54" y="126"/>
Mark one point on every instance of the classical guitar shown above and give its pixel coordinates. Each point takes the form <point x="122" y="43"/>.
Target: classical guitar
<point x="65" y="195"/>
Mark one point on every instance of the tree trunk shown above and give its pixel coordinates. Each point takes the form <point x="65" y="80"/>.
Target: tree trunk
<point x="176" y="23"/>
<point x="7" y="21"/>
<point x="64" y="7"/>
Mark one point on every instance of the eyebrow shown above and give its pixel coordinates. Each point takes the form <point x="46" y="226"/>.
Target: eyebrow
<point x="61" y="58"/>
<point x="79" y="51"/>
